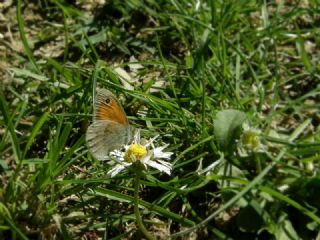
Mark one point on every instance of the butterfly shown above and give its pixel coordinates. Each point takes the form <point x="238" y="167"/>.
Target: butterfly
<point x="110" y="128"/>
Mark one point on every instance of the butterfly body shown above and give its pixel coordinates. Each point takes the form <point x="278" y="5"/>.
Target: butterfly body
<point x="110" y="128"/>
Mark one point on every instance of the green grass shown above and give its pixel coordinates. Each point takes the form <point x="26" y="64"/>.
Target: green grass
<point x="220" y="64"/>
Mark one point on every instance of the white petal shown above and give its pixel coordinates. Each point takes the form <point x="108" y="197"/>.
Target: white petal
<point x="118" y="168"/>
<point x="165" y="155"/>
<point x="118" y="159"/>
<point x="151" y="141"/>
<point x="136" y="138"/>
<point x="160" y="167"/>
<point x="147" y="158"/>
<point x="164" y="163"/>
<point x="159" y="154"/>
<point x="126" y="147"/>
<point x="117" y="154"/>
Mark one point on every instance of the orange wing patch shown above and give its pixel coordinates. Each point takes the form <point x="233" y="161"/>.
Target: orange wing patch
<point x="112" y="112"/>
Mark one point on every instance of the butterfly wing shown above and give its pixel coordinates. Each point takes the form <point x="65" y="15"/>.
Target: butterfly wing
<point x="104" y="136"/>
<point x="110" y="128"/>
<point x="107" y="107"/>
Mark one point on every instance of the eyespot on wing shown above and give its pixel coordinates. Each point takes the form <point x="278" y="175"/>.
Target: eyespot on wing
<point x="107" y="107"/>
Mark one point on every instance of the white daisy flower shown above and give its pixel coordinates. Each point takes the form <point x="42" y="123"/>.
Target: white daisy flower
<point x="144" y="153"/>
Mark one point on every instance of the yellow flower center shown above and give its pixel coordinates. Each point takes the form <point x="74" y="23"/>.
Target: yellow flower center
<point x="250" y="139"/>
<point x="135" y="152"/>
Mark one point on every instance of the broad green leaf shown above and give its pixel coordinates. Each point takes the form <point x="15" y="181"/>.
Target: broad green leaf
<point x="227" y="125"/>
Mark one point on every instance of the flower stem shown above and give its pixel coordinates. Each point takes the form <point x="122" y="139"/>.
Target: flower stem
<point x="136" y="208"/>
